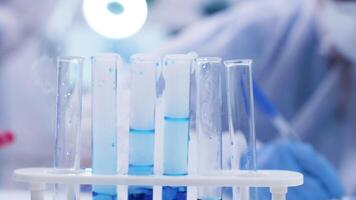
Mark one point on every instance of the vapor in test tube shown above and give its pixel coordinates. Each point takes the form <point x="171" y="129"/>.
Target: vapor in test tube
<point x="208" y="122"/>
<point x="142" y="121"/>
<point x="177" y="72"/>
<point x="104" y="129"/>
<point x="68" y="121"/>
<point x="241" y="119"/>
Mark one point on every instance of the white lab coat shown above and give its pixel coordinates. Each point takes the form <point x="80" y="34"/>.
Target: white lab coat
<point x="291" y="65"/>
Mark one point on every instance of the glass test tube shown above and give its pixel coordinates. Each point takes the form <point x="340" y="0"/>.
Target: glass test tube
<point x="104" y="121"/>
<point x="208" y="122"/>
<point x="177" y="72"/>
<point x="68" y="122"/>
<point x="142" y="121"/>
<point x="241" y="120"/>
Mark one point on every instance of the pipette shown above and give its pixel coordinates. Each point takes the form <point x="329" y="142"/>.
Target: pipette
<point x="264" y="104"/>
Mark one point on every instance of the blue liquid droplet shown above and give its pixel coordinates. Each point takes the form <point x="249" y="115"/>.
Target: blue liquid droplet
<point x="115" y="8"/>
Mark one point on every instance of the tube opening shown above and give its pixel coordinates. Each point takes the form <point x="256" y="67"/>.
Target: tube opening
<point x="107" y="56"/>
<point x="238" y="62"/>
<point x="144" y="58"/>
<point x="70" y="59"/>
<point x="203" y="60"/>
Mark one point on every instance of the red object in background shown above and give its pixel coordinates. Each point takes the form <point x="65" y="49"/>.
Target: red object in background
<point x="6" y="138"/>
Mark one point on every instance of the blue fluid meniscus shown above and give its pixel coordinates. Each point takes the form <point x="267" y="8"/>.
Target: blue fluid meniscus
<point x="176" y="136"/>
<point x="141" y="161"/>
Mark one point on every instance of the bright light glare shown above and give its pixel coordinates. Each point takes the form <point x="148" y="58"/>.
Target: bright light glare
<point x="115" y="25"/>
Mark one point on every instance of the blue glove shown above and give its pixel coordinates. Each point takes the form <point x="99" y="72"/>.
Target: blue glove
<point x="321" y="181"/>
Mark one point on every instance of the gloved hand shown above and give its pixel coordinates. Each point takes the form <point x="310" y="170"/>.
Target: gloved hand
<point x="321" y="181"/>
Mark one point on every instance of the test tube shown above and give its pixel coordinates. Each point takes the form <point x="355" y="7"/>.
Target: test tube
<point x="177" y="72"/>
<point x="104" y="121"/>
<point x="142" y="121"/>
<point x="68" y="122"/>
<point x="208" y="122"/>
<point x="241" y="120"/>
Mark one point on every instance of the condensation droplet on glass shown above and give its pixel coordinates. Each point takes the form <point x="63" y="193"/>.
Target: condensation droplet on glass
<point x="110" y="69"/>
<point x="113" y="145"/>
<point x="205" y="66"/>
<point x="101" y="83"/>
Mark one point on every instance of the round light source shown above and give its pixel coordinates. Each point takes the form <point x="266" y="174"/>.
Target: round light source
<point x="115" y="18"/>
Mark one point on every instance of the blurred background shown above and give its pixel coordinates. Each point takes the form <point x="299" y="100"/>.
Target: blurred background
<point x="304" y="63"/>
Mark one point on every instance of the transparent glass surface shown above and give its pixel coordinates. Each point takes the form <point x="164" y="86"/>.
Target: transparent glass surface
<point x="241" y="119"/>
<point x="177" y="75"/>
<point x="68" y="121"/>
<point x="142" y="121"/>
<point x="104" y="121"/>
<point x="208" y="122"/>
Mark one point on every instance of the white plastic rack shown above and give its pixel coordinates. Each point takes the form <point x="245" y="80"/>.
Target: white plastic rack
<point x="277" y="181"/>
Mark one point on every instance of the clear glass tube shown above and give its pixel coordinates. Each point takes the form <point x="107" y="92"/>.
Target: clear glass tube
<point x="68" y="121"/>
<point x="208" y="122"/>
<point x="104" y="121"/>
<point x="142" y="121"/>
<point x="241" y="119"/>
<point x="177" y="74"/>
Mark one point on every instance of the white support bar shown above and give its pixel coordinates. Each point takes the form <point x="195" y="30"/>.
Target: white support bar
<point x="242" y="178"/>
<point x="279" y="193"/>
<point x="37" y="191"/>
<point x="245" y="193"/>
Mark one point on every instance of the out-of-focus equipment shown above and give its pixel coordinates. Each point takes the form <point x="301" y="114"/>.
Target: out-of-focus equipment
<point x="6" y="138"/>
<point x="115" y="18"/>
<point x="11" y="28"/>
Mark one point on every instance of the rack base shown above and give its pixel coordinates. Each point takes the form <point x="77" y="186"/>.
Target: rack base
<point x="278" y="181"/>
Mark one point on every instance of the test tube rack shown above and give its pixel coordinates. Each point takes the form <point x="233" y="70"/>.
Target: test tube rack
<point x="277" y="181"/>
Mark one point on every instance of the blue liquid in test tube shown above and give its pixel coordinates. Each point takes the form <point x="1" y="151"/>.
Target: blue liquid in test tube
<point x="142" y="121"/>
<point x="177" y="72"/>
<point x="104" y="120"/>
